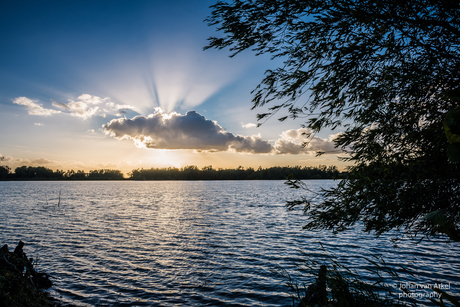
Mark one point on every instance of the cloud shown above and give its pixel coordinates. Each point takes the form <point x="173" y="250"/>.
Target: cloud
<point x="3" y="158"/>
<point x="84" y="107"/>
<point x="33" y="107"/>
<point x="250" y="125"/>
<point x="123" y="165"/>
<point x="39" y="124"/>
<point x="194" y="132"/>
<point x="189" y="131"/>
<point x="40" y="161"/>
<point x="16" y="162"/>
<point x="77" y="108"/>
<point x="291" y="142"/>
<point x="87" y="106"/>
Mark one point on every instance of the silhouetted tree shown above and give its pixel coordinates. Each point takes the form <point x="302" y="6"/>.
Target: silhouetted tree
<point x="386" y="72"/>
<point x="59" y="174"/>
<point x="79" y="175"/>
<point x="240" y="173"/>
<point x="105" y="174"/>
<point x="4" y="171"/>
<point x="30" y="172"/>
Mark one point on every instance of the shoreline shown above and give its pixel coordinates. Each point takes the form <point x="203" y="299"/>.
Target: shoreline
<point x="21" y="284"/>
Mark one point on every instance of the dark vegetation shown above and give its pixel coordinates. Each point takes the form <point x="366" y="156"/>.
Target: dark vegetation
<point x="240" y="173"/>
<point x="171" y="173"/>
<point x="20" y="284"/>
<point x="340" y="286"/>
<point x="44" y="173"/>
<point x="384" y="72"/>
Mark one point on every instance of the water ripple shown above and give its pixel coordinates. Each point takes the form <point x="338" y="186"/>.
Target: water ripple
<point x="186" y="243"/>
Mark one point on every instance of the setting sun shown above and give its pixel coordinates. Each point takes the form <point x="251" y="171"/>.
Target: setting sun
<point x="105" y="88"/>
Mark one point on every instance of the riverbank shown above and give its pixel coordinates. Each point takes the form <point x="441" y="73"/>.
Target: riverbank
<point x="20" y="284"/>
<point x="190" y="172"/>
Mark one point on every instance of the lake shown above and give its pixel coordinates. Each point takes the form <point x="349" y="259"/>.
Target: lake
<point x="189" y="243"/>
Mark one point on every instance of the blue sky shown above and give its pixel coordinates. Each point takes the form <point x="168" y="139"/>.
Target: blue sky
<point x="126" y="84"/>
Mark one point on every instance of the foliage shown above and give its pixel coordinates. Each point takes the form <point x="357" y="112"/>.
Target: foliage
<point x="4" y="171"/>
<point x="345" y="287"/>
<point x="30" y="172"/>
<point x="43" y="173"/>
<point x="20" y="284"/>
<point x="452" y="130"/>
<point x="105" y="174"/>
<point x="192" y="172"/>
<point x="385" y="72"/>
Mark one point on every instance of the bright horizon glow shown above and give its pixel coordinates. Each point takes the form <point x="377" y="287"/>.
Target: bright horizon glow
<point x="71" y="69"/>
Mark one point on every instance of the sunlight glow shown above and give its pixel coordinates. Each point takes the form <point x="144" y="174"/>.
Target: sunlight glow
<point x="173" y="78"/>
<point x="166" y="158"/>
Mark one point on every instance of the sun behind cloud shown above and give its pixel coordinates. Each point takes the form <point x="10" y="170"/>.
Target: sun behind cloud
<point x="193" y="131"/>
<point x="161" y="130"/>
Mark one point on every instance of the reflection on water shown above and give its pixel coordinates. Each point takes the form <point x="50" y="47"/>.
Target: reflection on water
<point x="184" y="243"/>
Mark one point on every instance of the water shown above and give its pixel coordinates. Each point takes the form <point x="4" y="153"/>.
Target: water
<point x="187" y="243"/>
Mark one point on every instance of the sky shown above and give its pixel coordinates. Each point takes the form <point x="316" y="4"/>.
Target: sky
<point x="126" y="84"/>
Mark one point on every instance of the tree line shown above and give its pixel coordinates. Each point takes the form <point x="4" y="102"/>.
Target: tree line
<point x="44" y="173"/>
<point x="190" y="172"/>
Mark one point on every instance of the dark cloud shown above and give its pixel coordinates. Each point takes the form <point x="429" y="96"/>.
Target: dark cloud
<point x="193" y="131"/>
<point x="189" y="131"/>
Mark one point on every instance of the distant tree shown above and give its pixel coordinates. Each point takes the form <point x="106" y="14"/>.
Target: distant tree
<point x="207" y="168"/>
<point x="20" y="172"/>
<point x="113" y="174"/>
<point x="42" y="172"/>
<point x="69" y="174"/>
<point x="4" y="171"/>
<point x="31" y="172"/>
<point x="59" y="174"/>
<point x="387" y="73"/>
<point x="105" y="174"/>
<point x="79" y="175"/>
<point x="190" y="172"/>
<point x="208" y="173"/>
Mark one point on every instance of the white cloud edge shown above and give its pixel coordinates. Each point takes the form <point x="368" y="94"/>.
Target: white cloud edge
<point x="84" y="107"/>
<point x="162" y="130"/>
<point x="249" y="125"/>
